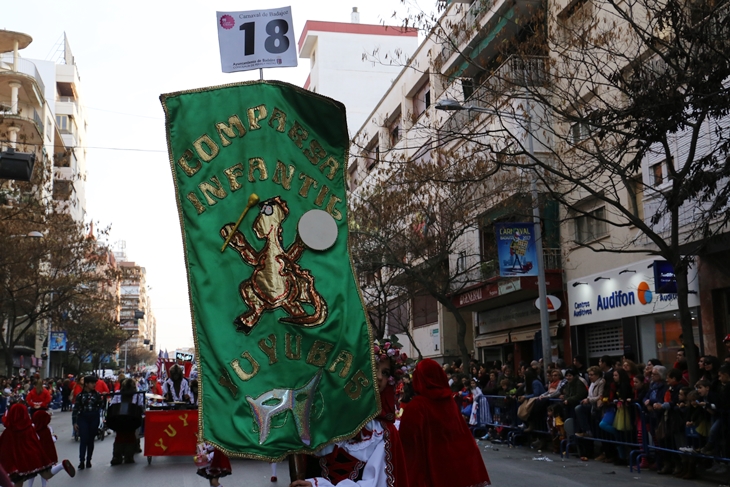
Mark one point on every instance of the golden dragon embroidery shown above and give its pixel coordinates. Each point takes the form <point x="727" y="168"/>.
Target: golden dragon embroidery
<point x="277" y="280"/>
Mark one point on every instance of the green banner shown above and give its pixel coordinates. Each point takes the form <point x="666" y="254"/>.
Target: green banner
<point x="283" y="343"/>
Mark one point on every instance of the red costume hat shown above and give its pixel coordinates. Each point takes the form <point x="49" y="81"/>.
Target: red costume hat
<point x="21" y="454"/>
<point x="439" y="448"/>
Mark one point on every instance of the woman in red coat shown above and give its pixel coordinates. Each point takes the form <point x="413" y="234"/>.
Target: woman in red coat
<point x="438" y="446"/>
<point x="21" y="453"/>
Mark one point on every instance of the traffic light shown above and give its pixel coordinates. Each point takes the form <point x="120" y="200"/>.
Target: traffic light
<point x="16" y="165"/>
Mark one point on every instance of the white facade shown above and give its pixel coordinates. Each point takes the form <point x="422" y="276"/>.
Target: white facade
<point x="70" y="114"/>
<point x="339" y="69"/>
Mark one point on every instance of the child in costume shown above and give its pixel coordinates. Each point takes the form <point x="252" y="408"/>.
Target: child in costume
<point x="86" y="415"/>
<point x="21" y="454"/>
<point x="438" y="446"/>
<point x="212" y="464"/>
<point x="374" y="457"/>
<point x="124" y="417"/>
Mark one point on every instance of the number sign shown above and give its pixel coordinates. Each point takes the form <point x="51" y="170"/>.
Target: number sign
<point x="256" y="39"/>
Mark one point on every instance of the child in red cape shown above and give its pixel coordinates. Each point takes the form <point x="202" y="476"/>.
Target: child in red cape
<point x="438" y="446"/>
<point x="21" y="453"/>
<point x="41" y="422"/>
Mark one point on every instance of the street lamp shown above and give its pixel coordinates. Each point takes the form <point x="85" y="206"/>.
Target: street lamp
<point x="452" y="106"/>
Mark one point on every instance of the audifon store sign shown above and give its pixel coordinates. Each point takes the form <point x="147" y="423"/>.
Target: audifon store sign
<point x="623" y="292"/>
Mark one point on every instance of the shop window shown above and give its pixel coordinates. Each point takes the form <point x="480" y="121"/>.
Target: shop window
<point x="667" y="330"/>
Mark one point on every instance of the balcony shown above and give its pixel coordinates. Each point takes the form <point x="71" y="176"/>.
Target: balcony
<point x="27" y="74"/>
<point x="515" y="73"/>
<point x="463" y="30"/>
<point x="476" y="37"/>
<point x="489" y="269"/>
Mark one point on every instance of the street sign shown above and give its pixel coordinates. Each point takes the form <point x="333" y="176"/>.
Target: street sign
<point x="256" y="39"/>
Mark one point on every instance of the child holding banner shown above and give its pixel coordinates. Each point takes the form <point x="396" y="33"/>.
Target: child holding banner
<point x="374" y="457"/>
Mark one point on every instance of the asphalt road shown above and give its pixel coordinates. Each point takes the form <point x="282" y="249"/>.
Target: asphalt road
<point x="513" y="467"/>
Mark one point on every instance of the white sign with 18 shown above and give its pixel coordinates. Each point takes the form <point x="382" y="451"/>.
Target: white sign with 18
<point x="256" y="39"/>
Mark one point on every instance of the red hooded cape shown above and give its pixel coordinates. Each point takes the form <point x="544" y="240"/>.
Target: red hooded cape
<point x="21" y="454"/>
<point x="41" y="420"/>
<point x="438" y="446"/>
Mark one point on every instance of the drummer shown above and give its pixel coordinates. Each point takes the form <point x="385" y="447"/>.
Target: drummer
<point x="176" y="387"/>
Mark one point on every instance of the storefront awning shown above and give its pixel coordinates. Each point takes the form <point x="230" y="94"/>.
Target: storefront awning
<point x="528" y="334"/>
<point x="492" y="339"/>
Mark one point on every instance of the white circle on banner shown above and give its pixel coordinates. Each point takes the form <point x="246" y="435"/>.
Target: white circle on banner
<point x="318" y="229"/>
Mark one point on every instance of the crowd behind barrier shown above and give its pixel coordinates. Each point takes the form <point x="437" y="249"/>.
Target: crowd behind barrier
<point x="640" y="416"/>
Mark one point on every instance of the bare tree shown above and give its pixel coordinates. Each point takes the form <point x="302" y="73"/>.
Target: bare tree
<point x="603" y="89"/>
<point x="41" y="275"/>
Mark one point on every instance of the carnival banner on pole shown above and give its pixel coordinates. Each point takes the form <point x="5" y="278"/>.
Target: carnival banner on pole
<point x="516" y="249"/>
<point x="283" y="344"/>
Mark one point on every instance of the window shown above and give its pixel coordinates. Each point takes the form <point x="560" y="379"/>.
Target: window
<point x="354" y="176"/>
<point x="461" y="262"/>
<point x="591" y="226"/>
<point x="425" y="310"/>
<point x="579" y="132"/>
<point x="394" y="128"/>
<point x="372" y="153"/>
<point x="397" y="316"/>
<point x="636" y="197"/>
<point x="421" y="100"/>
<point x="657" y="174"/>
<point x="65" y="124"/>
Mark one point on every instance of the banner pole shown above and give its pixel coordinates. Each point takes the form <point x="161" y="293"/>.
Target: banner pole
<point x="297" y="467"/>
<point x="261" y="74"/>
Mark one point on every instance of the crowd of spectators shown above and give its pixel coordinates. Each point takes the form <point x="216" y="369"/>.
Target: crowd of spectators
<point x="616" y="407"/>
<point x="57" y="393"/>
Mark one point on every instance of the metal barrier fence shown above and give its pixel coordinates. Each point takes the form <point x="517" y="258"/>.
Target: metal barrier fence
<point x="626" y="430"/>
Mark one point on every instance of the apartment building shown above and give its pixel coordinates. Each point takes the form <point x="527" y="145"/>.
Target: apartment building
<point x="69" y="187"/>
<point x="136" y="316"/>
<point x="43" y="113"/>
<point x="483" y="56"/>
<point x="354" y="63"/>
